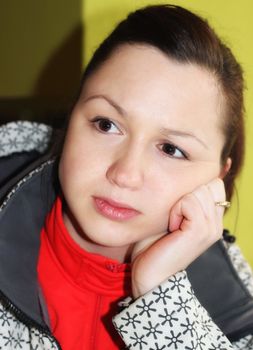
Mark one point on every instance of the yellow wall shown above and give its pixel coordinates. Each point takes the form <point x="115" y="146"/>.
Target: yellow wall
<point x="233" y="21"/>
<point x="41" y="49"/>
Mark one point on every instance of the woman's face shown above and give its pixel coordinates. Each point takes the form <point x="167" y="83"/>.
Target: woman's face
<point x="145" y="131"/>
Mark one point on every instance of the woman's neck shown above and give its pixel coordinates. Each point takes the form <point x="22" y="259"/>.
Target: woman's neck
<point x="121" y="254"/>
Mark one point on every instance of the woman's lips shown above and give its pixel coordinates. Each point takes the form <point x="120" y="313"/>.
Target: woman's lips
<point x="114" y="210"/>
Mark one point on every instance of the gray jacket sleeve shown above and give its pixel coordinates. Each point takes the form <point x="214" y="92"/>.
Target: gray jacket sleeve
<point x="171" y="317"/>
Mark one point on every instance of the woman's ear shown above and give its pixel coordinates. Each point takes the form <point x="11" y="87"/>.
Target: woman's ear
<point x="225" y="168"/>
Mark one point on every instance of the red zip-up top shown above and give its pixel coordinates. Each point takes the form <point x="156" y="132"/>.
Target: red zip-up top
<point x="81" y="289"/>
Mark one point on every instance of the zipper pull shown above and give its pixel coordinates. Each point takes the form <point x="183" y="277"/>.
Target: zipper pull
<point x="228" y="237"/>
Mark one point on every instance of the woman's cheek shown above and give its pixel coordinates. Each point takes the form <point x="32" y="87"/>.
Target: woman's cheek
<point x="173" y="186"/>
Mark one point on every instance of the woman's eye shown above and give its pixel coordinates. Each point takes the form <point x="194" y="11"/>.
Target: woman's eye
<point x="173" y="151"/>
<point x="105" y="125"/>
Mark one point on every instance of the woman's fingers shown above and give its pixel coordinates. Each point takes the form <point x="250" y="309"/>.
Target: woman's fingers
<point x="176" y="217"/>
<point x="206" y="196"/>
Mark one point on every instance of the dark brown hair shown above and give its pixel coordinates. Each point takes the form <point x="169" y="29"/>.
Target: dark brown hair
<point x="187" y="38"/>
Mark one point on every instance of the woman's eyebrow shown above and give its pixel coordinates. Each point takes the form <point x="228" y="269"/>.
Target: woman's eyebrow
<point x="164" y="131"/>
<point x="168" y="132"/>
<point x="115" y="105"/>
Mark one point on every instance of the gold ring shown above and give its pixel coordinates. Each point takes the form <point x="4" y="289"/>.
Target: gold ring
<point x="225" y="204"/>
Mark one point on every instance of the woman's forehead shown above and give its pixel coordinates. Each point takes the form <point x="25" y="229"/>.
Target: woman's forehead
<point x="141" y="79"/>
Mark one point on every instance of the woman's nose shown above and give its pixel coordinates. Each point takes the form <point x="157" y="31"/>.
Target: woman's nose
<point x="127" y="171"/>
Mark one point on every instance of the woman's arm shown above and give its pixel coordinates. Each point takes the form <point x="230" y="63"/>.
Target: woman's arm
<point x="171" y="317"/>
<point x="166" y="312"/>
<point x="195" y="224"/>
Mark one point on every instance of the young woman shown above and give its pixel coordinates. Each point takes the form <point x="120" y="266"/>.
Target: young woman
<point x="156" y="129"/>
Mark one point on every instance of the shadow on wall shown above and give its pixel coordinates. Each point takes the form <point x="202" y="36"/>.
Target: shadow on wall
<point x="56" y="85"/>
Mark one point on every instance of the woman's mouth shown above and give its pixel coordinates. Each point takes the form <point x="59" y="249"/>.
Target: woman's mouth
<point x="114" y="210"/>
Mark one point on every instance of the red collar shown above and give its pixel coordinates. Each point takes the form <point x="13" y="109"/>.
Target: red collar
<point x="87" y="270"/>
